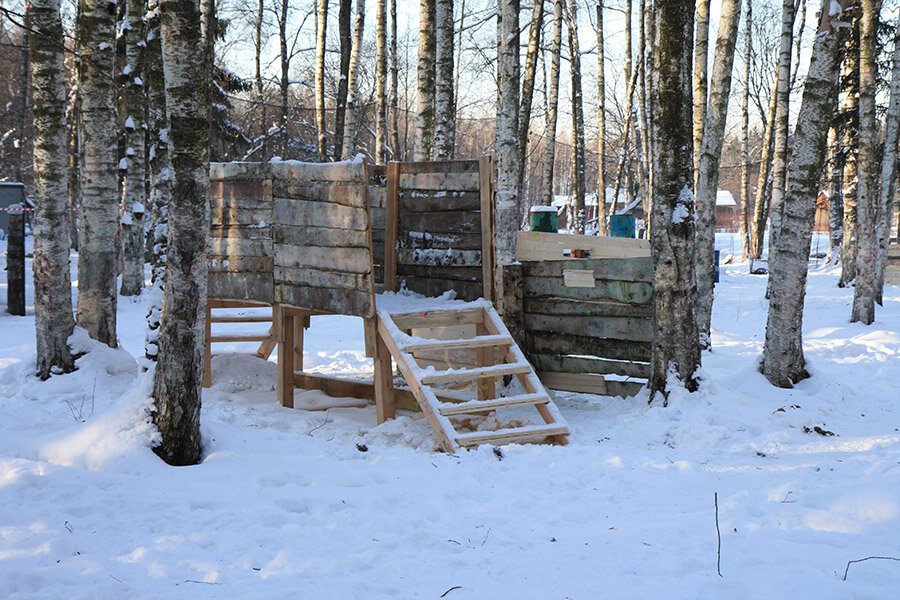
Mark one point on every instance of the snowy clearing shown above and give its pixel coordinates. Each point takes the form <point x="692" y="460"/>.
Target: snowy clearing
<point x="324" y="504"/>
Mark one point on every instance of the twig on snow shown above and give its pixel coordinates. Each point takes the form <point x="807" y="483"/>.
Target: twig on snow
<point x="718" y="537"/>
<point x="455" y="587"/>
<point x="858" y="560"/>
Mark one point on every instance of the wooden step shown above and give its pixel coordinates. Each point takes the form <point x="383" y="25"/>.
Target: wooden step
<point x="477" y="373"/>
<point x="438" y="318"/>
<point x="481" y="341"/>
<point x="240" y="319"/>
<point x="478" y="406"/>
<point x="505" y="436"/>
<point x="239" y="338"/>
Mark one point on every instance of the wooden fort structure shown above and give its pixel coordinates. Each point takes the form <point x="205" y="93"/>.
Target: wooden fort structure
<point x="296" y="240"/>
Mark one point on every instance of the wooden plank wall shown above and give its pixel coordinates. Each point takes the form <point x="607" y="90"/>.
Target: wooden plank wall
<point x="241" y="217"/>
<point x="377" y="203"/>
<point x="586" y="318"/>
<point x="440" y="241"/>
<point x="322" y="238"/>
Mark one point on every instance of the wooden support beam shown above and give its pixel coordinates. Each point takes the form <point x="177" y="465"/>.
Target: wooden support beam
<point x="385" y="407"/>
<point x="286" y="380"/>
<point x="207" y="353"/>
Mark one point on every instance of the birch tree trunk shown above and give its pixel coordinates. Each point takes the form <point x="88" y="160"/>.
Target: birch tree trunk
<point x="179" y="372"/>
<point x="507" y="190"/>
<point x="888" y="169"/>
<point x="552" y="102"/>
<point x="321" y="31"/>
<point x="53" y="322"/>
<point x="701" y="60"/>
<point x="160" y="164"/>
<point x="760" y="205"/>
<point x="531" y="56"/>
<point x="602" y="229"/>
<point x="578" y="183"/>
<point x="782" y="116"/>
<point x="395" y="97"/>
<point x="99" y="225"/>
<point x="675" y="350"/>
<point x="381" y="126"/>
<point x="258" y="43"/>
<point x="425" y="72"/>
<point x="710" y="156"/>
<point x="850" y="109"/>
<point x="835" y="196"/>
<point x="866" y="289"/>
<point x="346" y="47"/>
<point x="644" y="133"/>
<point x="444" y="106"/>
<point x="133" y="193"/>
<point x="285" y="61"/>
<point x="349" y="144"/>
<point x="745" y="135"/>
<point x="783" y="363"/>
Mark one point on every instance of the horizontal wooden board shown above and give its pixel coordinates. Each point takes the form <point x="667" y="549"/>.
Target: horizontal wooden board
<point x="542" y="342"/>
<point x="437" y="257"/>
<point x="586" y="308"/>
<point x="226" y="247"/>
<point x="894" y="251"/>
<point x="244" y="232"/>
<point x="448" y="222"/>
<point x="325" y="279"/>
<point x="253" y="287"/>
<point x="574" y="382"/>
<point x="429" y="201"/>
<point x="435" y="287"/>
<point x="440" y="181"/>
<point x="219" y="171"/>
<point x="620" y="291"/>
<point x="442" y="166"/>
<point x="619" y="269"/>
<point x="621" y="328"/>
<point x="469" y="274"/>
<point x="439" y="239"/>
<point x="349" y="302"/>
<point x="343" y="260"/>
<point x="579" y="278"/>
<point x="302" y="213"/>
<point x="536" y="246"/>
<point x="241" y="264"/>
<point x="292" y="170"/>
<point x="259" y="214"/>
<point x="342" y="193"/>
<point x="579" y="364"/>
<point x="319" y="236"/>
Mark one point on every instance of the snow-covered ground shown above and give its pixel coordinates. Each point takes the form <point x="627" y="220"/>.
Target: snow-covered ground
<point x="286" y="503"/>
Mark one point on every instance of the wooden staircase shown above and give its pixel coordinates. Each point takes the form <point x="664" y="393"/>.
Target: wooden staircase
<point x="214" y="314"/>
<point x="477" y="354"/>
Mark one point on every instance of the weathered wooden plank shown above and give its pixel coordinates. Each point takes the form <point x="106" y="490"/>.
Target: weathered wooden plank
<point x="443" y="166"/>
<point x="532" y="245"/>
<point x="226" y="247"/>
<point x="440" y="181"/>
<point x="586" y="308"/>
<point x="440" y="239"/>
<point x="343" y="260"/>
<point x="324" y="279"/>
<point x="619" y="269"/>
<point x="486" y="201"/>
<point x="241" y="264"/>
<point x="465" y="290"/>
<point x="622" y="328"/>
<point x="319" y="236"/>
<point x="558" y="363"/>
<point x="585" y="383"/>
<point x="253" y="287"/>
<point x="245" y="232"/>
<point x="444" y="221"/>
<point x="378" y="217"/>
<point x="342" y="193"/>
<point x="438" y="201"/>
<point x="438" y="257"/>
<point x="302" y="213"/>
<point x="226" y="171"/>
<point x="240" y="215"/>
<point x="562" y="343"/>
<point x="451" y="274"/>
<point x="292" y="170"/>
<point x="631" y="292"/>
<point x="582" y="278"/>
<point x="350" y="302"/>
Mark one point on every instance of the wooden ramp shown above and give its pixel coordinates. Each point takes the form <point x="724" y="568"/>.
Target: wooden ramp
<point x="453" y="360"/>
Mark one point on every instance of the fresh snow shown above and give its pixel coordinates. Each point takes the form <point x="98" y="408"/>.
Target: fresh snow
<point x="322" y="503"/>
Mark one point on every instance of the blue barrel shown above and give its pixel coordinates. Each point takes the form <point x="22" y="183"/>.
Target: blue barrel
<point x="621" y="226"/>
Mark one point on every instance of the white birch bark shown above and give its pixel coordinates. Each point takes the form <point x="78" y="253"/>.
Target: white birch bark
<point x="395" y="96"/>
<point x="865" y="291"/>
<point x="701" y="60"/>
<point x="531" y="56"/>
<point x="99" y="224"/>
<point x="578" y="183"/>
<point x="888" y="169"/>
<point x="425" y="83"/>
<point x="552" y="102"/>
<point x="675" y="348"/>
<point x="381" y="99"/>
<point x="782" y="116"/>
<point x="349" y="144"/>
<point x="53" y="321"/>
<point x="850" y="142"/>
<point x="760" y="205"/>
<point x="783" y="363"/>
<point x="710" y="156"/>
<point x="179" y="371"/>
<point x="744" y="231"/>
<point x="321" y="31"/>
<point x="602" y="228"/>
<point x="835" y="196"/>
<point x="444" y="106"/>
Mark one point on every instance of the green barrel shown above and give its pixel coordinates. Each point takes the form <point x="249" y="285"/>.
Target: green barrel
<point x="543" y="218"/>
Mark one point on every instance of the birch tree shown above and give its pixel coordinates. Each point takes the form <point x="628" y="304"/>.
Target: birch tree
<point x="321" y="31"/>
<point x="99" y="223"/>
<point x="783" y="363"/>
<point x="179" y="371"/>
<point x="578" y="183"/>
<point x="710" y="154"/>
<point x="444" y="106"/>
<point x="53" y="322"/>
<point x="888" y="169"/>
<point x="394" y="93"/>
<point x="381" y="126"/>
<point x="675" y="348"/>
<point x="552" y="102"/>
<point x="346" y="47"/>
<point x="744" y="208"/>
<point x="531" y="56"/>
<point x="133" y="192"/>
<point x="507" y="190"/>
<point x="866" y="290"/>
<point x="425" y="82"/>
<point x="602" y="228"/>
<point x="850" y="180"/>
<point x="760" y="206"/>
<point x="349" y="145"/>
<point x="701" y="58"/>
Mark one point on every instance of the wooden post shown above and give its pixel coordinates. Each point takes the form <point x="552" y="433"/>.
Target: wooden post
<point x="15" y="264"/>
<point x="391" y="225"/>
<point x="385" y="407"/>
<point x="299" y="322"/>
<point x="486" y="192"/>
<point x="207" y="354"/>
<point x="285" y="361"/>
